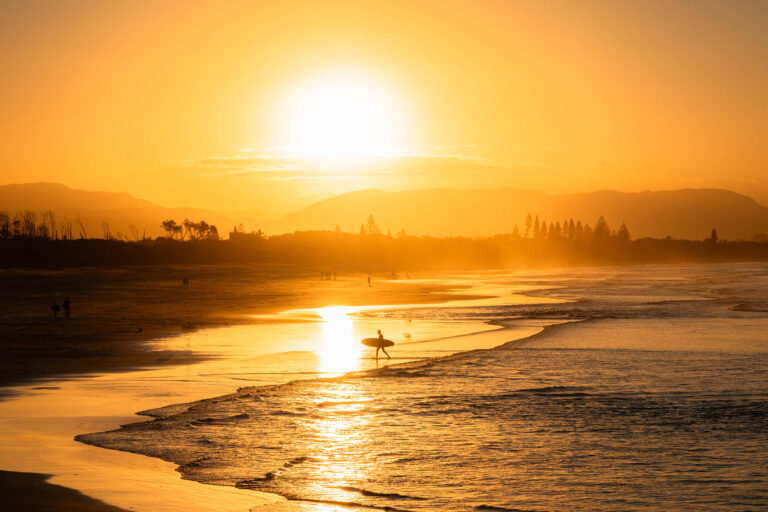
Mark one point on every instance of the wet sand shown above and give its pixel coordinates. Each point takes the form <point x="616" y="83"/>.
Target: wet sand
<point x="116" y="311"/>
<point x="24" y="492"/>
<point x="180" y="332"/>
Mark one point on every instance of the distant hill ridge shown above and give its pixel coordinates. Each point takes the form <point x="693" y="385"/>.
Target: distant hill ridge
<point x="119" y="209"/>
<point x="688" y="213"/>
<point x="55" y="196"/>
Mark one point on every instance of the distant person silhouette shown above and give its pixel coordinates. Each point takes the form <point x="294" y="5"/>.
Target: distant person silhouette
<point x="369" y="281"/>
<point x="55" y="308"/>
<point x="66" y="305"/>
<point x="381" y="337"/>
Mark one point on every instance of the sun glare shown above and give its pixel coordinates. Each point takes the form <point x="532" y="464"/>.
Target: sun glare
<point x="342" y="116"/>
<point x="339" y="352"/>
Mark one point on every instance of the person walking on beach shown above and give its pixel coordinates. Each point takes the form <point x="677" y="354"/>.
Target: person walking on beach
<point x="369" y="284"/>
<point x="66" y="307"/>
<point x="55" y="308"/>
<point x="381" y="338"/>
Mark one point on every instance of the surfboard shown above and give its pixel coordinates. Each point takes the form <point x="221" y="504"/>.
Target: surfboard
<point x="377" y="343"/>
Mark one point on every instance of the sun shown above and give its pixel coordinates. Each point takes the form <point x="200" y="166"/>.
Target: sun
<point x="342" y="115"/>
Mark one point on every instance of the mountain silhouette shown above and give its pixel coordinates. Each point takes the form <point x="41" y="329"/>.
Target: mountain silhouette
<point x="119" y="209"/>
<point x="689" y="213"/>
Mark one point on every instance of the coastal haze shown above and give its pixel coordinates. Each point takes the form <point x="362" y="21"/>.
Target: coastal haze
<point x="343" y="256"/>
<point x="689" y="214"/>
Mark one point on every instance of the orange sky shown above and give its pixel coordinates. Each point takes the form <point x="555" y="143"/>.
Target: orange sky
<point x="184" y="103"/>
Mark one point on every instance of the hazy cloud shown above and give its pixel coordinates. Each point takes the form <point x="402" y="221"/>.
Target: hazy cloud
<point x="288" y="167"/>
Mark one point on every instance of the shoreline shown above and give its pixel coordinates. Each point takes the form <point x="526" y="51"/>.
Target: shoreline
<point x="572" y="333"/>
<point x="415" y="294"/>
<point x="117" y="313"/>
<point x="292" y="503"/>
<point x="286" y="502"/>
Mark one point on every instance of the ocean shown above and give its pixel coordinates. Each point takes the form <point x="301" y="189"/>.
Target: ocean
<point x="637" y="388"/>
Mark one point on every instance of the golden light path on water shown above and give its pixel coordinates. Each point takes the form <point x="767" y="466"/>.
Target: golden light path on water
<point x="340" y="433"/>
<point x="38" y="424"/>
<point x="340" y="352"/>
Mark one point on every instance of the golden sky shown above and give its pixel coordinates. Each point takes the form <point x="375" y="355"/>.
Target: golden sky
<point x="272" y="105"/>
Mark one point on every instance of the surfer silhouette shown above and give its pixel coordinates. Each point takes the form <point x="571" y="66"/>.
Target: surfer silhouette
<point x="379" y="343"/>
<point x="381" y="338"/>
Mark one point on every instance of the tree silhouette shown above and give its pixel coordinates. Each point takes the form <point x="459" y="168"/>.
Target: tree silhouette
<point x="105" y="230"/>
<point x="134" y="233"/>
<point x="528" y="224"/>
<point x="16" y="226"/>
<point x="602" y="231"/>
<point x="83" y="233"/>
<point x="66" y="228"/>
<point x="5" y="225"/>
<point x="50" y="218"/>
<point x="201" y="229"/>
<point x="170" y="227"/>
<point x="371" y="227"/>
<point x="28" y="224"/>
<point x="187" y="229"/>
<point x="623" y="233"/>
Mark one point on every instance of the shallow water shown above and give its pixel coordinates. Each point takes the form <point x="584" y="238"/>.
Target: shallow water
<point x="653" y="395"/>
<point x="38" y="421"/>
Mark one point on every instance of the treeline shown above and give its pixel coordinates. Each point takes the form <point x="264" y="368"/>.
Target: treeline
<point x="570" y="230"/>
<point x="403" y="252"/>
<point x="380" y="252"/>
<point x="29" y="225"/>
<point x="189" y="230"/>
<point x="27" y="240"/>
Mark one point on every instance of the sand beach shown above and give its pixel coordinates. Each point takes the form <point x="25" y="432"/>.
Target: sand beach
<point x="195" y="341"/>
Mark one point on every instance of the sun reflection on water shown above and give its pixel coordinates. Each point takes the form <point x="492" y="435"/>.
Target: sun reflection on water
<point x="341" y="428"/>
<point x="340" y="352"/>
<point x="342" y="442"/>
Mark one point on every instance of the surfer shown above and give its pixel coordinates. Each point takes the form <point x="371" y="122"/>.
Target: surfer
<point x="379" y="343"/>
<point x="381" y="338"/>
